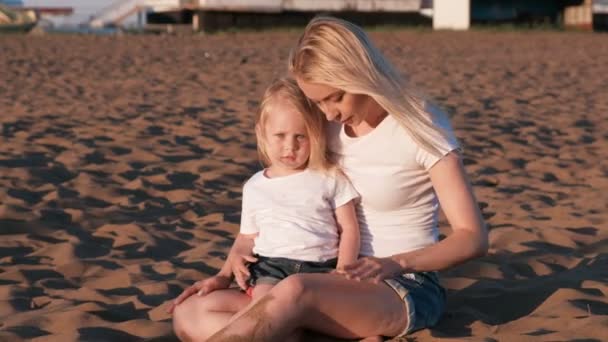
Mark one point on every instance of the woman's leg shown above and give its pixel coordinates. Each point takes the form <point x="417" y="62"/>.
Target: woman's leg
<point x="199" y="317"/>
<point x="325" y="303"/>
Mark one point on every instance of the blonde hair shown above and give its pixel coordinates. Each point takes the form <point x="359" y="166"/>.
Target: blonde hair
<point x="339" y="54"/>
<point x="286" y="89"/>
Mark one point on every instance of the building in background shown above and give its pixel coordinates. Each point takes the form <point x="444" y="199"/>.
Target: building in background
<point x="223" y="14"/>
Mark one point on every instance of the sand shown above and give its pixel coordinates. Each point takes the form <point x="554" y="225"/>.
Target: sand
<point x="122" y="160"/>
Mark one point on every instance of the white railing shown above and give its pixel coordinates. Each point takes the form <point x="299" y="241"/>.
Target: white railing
<point x="120" y="10"/>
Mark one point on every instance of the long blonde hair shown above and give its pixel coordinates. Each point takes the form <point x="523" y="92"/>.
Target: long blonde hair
<point x="286" y="89"/>
<point x="339" y="54"/>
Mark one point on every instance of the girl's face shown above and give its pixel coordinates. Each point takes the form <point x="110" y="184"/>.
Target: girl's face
<point x="338" y="105"/>
<point x="285" y="139"/>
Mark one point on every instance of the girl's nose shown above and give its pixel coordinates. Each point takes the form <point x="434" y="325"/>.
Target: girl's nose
<point x="291" y="144"/>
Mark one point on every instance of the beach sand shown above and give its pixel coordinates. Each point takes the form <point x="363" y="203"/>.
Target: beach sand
<point x="122" y="160"/>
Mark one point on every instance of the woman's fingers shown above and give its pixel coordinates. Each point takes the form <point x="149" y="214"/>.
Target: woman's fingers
<point x="183" y="296"/>
<point x="364" y="272"/>
<point x="186" y="293"/>
<point x="353" y="266"/>
<point x="366" y="269"/>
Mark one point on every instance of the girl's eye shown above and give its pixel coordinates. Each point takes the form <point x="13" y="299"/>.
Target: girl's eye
<point x="280" y="135"/>
<point x="300" y="137"/>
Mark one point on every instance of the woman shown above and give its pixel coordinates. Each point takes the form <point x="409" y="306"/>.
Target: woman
<point x="402" y="157"/>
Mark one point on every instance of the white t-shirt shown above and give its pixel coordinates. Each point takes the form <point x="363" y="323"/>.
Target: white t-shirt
<point x="294" y="215"/>
<point x="397" y="211"/>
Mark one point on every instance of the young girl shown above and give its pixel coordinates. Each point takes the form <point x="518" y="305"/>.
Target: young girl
<point x="299" y="210"/>
<point x="298" y="214"/>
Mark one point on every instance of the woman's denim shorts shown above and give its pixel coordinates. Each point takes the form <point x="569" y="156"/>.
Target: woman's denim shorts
<point x="272" y="270"/>
<point x="423" y="296"/>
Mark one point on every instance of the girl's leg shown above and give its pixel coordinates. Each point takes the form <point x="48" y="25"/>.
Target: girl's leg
<point x="325" y="303"/>
<point x="199" y="317"/>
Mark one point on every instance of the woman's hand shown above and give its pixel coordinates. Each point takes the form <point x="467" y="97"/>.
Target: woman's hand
<point x="371" y="269"/>
<point x="203" y="287"/>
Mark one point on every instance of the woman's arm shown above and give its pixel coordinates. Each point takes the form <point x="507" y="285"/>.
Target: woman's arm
<point x="468" y="240"/>
<point x="235" y="265"/>
<point x="348" y="227"/>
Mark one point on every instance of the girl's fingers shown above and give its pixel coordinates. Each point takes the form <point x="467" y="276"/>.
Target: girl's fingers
<point x="250" y="258"/>
<point x="241" y="281"/>
<point x="242" y="269"/>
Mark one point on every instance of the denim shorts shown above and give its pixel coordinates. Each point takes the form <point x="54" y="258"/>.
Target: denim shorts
<point x="272" y="270"/>
<point x="423" y="296"/>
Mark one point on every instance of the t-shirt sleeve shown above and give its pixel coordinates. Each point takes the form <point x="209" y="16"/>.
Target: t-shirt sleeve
<point x="344" y="191"/>
<point x="247" y="212"/>
<point x="445" y="143"/>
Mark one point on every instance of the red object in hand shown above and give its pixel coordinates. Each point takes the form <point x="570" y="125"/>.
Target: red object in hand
<point x="249" y="291"/>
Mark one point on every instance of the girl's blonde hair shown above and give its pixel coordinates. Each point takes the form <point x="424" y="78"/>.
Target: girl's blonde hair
<point x="286" y="89"/>
<point x="339" y="54"/>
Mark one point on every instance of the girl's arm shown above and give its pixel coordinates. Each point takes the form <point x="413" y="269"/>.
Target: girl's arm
<point x="348" y="228"/>
<point x="240" y="255"/>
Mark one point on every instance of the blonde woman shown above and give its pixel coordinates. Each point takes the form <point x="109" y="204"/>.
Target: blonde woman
<point x="298" y="215"/>
<point x="401" y="155"/>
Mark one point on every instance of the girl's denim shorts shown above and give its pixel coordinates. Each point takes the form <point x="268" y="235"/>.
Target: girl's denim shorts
<point x="272" y="270"/>
<point x="423" y="296"/>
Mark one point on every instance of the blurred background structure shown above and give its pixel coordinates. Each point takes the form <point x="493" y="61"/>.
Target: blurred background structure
<point x="209" y="15"/>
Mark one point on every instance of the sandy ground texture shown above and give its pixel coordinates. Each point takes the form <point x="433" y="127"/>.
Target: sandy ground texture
<point x="122" y="160"/>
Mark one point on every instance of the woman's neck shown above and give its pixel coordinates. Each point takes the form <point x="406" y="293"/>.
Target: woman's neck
<point x="366" y="126"/>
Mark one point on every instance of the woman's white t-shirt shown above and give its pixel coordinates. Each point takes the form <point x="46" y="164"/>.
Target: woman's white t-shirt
<point x="398" y="208"/>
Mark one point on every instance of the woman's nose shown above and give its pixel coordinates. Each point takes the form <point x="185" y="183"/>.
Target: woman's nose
<point x="331" y="113"/>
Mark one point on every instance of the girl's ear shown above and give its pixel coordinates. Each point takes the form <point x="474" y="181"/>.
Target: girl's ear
<point x="258" y="133"/>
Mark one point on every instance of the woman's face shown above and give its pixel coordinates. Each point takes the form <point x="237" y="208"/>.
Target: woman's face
<point x="338" y="105"/>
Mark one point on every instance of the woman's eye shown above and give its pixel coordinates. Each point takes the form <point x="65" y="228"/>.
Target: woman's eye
<point x="339" y="97"/>
<point x="300" y="137"/>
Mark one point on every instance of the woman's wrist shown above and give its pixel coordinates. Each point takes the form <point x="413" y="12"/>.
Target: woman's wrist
<point x="224" y="273"/>
<point x="402" y="261"/>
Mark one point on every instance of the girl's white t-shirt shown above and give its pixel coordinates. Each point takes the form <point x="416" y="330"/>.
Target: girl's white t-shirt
<point x="294" y="215"/>
<point x="398" y="208"/>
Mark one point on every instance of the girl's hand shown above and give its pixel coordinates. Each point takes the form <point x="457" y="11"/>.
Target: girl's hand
<point x="203" y="287"/>
<point x="239" y="264"/>
<point x="371" y="269"/>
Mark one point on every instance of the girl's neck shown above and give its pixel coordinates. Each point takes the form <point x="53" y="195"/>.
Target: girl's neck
<point x="271" y="172"/>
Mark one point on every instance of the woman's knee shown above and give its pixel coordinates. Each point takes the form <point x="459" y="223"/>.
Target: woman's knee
<point x="183" y="321"/>
<point x="294" y="289"/>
